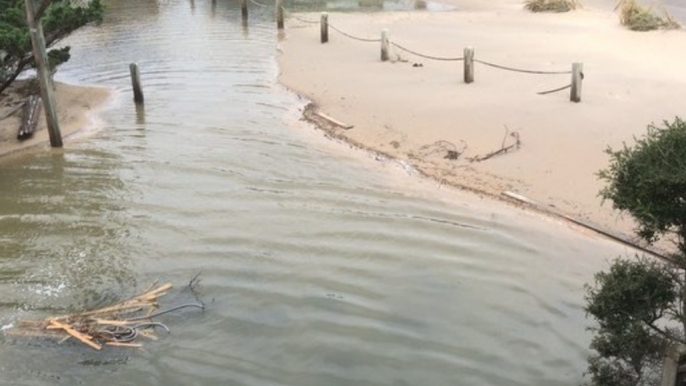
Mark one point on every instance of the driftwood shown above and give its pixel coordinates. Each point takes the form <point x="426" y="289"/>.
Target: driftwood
<point x="29" y="118"/>
<point x="116" y="325"/>
<point x="503" y="149"/>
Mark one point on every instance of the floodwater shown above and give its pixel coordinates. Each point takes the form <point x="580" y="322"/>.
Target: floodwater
<point x="320" y="264"/>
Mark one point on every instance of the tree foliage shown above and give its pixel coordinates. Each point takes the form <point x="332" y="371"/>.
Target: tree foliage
<point x="639" y="304"/>
<point x="648" y="180"/>
<point x="634" y="304"/>
<point x="59" y="20"/>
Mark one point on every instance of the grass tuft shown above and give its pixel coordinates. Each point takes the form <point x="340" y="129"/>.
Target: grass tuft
<point x="551" y="5"/>
<point x="640" y="18"/>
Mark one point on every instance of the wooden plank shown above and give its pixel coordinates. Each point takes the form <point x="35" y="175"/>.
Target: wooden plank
<point x="33" y="333"/>
<point x="335" y="121"/>
<point x="122" y="344"/>
<point x="81" y="337"/>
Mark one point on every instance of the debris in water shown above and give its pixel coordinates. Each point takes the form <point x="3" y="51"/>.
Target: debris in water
<point x="120" y="324"/>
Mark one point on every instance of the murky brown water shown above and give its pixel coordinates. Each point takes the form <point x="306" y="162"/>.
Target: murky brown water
<point x="321" y="266"/>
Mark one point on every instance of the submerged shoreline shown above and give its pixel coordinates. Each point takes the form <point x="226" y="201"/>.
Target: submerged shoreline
<point x="400" y="111"/>
<point x="75" y="104"/>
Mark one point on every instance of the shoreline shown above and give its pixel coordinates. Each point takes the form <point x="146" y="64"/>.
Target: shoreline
<point x="77" y="106"/>
<point x="561" y="188"/>
<point x="334" y="129"/>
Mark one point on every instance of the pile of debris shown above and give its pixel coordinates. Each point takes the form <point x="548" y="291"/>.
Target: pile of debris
<point x="120" y="324"/>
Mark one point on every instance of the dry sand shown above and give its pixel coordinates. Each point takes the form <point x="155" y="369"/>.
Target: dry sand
<point x="631" y="80"/>
<point x="74" y="105"/>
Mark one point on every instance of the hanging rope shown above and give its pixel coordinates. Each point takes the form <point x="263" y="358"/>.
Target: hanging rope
<point x="521" y="70"/>
<point x="554" y="90"/>
<point x="426" y="56"/>
<point x="354" y="37"/>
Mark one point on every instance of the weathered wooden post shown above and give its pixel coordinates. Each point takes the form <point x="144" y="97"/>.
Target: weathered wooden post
<point x="670" y="365"/>
<point x="136" y="83"/>
<point x="577" y="80"/>
<point x="43" y="73"/>
<point x="244" y="10"/>
<point x="324" y="24"/>
<point x="385" y="45"/>
<point x="468" y="65"/>
<point x="279" y="14"/>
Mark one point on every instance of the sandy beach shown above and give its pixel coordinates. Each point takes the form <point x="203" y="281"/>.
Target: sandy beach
<point x="74" y="105"/>
<point x="416" y="109"/>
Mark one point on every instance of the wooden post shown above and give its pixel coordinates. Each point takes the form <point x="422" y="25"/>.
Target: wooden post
<point x="324" y="24"/>
<point x="279" y="14"/>
<point x="577" y="80"/>
<point x="136" y="83"/>
<point x="670" y="365"/>
<point x="43" y="74"/>
<point x="244" y="10"/>
<point x="385" y="45"/>
<point x="468" y="65"/>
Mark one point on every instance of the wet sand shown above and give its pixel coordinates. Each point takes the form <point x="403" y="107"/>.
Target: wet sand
<point x="74" y="106"/>
<point x="631" y="80"/>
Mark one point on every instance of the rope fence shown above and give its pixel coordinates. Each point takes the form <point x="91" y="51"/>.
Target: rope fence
<point x="468" y="58"/>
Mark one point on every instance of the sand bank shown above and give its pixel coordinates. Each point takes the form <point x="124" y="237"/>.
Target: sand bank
<point x="631" y="80"/>
<point x="74" y="105"/>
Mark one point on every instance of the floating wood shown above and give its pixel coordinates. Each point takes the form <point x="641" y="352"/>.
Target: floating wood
<point x="130" y="345"/>
<point x="29" y="117"/>
<point x="335" y="121"/>
<point x="81" y="337"/>
<point x="113" y="325"/>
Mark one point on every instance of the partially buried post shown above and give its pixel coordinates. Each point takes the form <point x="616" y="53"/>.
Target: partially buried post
<point x="577" y="80"/>
<point x="279" y="14"/>
<point x="324" y="24"/>
<point x="469" y="65"/>
<point x="385" y="45"/>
